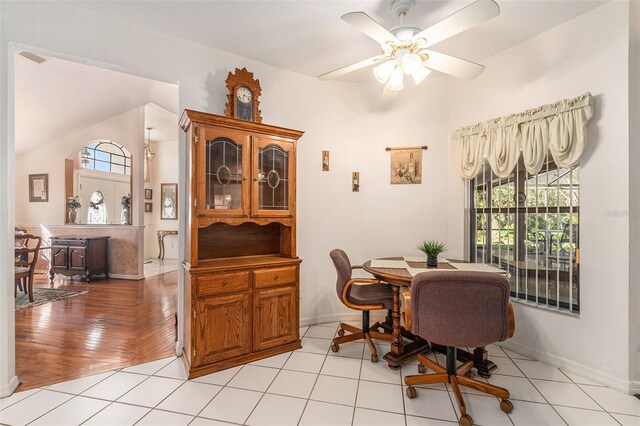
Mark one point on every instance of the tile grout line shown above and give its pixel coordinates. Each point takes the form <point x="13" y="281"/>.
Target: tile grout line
<point x="538" y="390"/>
<point x="317" y="376"/>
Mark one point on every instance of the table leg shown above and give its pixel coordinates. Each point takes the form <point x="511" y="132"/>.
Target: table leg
<point x="397" y="349"/>
<point x="159" y="246"/>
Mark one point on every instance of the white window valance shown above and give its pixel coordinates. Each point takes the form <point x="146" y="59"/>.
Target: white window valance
<point x="559" y="128"/>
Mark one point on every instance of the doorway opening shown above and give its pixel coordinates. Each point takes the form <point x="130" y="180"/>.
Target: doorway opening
<point x="84" y="128"/>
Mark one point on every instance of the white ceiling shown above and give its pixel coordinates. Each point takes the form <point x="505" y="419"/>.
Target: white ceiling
<point x="57" y="98"/>
<point x="308" y="36"/>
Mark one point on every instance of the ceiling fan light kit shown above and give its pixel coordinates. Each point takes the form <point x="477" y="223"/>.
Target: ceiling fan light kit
<point x="404" y="48"/>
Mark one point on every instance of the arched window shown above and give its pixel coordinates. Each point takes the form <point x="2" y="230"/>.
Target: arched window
<point x="97" y="211"/>
<point x="106" y="156"/>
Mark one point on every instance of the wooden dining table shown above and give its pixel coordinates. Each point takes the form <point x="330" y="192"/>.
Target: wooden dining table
<point x="400" y="352"/>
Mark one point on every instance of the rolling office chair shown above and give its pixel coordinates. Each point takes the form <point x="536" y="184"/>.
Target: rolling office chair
<point x="460" y="309"/>
<point x="373" y="295"/>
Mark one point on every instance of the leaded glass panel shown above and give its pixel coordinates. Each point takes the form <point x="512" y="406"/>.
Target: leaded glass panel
<point x="273" y="178"/>
<point x="223" y="174"/>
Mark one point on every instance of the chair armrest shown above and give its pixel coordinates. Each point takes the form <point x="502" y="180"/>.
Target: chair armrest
<point x="512" y="320"/>
<point x="405" y="296"/>
<point x="345" y="294"/>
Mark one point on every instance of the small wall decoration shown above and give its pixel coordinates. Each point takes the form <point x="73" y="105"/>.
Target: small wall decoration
<point x="406" y="164"/>
<point x="355" y="182"/>
<point x="148" y="194"/>
<point x="325" y="161"/>
<point x="242" y="100"/>
<point x="148" y="207"/>
<point x="39" y="188"/>
<point x="169" y="201"/>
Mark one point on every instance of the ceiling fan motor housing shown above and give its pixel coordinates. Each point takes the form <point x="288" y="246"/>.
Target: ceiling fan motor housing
<point x="402" y="7"/>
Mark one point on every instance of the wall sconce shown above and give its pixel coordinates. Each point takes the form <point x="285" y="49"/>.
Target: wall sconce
<point x="355" y="182"/>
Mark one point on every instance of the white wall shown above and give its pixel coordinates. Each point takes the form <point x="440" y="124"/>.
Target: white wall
<point x="589" y="53"/>
<point x="350" y="120"/>
<point x="164" y="169"/>
<point x="123" y="129"/>
<point x="634" y="196"/>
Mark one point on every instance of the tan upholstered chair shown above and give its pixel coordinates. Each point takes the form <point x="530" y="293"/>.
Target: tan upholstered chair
<point x="460" y="309"/>
<point x="363" y="294"/>
<point x="27" y="250"/>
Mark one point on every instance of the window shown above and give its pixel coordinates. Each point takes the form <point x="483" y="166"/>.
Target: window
<point x="106" y="156"/>
<point x="528" y="225"/>
<point x="97" y="211"/>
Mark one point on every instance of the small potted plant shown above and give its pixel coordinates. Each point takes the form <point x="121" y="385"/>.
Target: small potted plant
<point x="126" y="209"/>
<point x="73" y="203"/>
<point x="432" y="249"/>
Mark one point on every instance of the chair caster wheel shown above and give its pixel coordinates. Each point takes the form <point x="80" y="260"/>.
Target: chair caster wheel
<point x="506" y="406"/>
<point x="341" y="332"/>
<point x="374" y="358"/>
<point x="422" y="369"/>
<point x="334" y="347"/>
<point x="411" y="392"/>
<point x="465" y="420"/>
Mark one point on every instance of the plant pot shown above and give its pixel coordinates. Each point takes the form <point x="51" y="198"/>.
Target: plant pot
<point x="125" y="218"/>
<point x="73" y="216"/>
<point x="432" y="261"/>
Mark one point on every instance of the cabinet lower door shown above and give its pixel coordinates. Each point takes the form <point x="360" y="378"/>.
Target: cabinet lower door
<point x="276" y="317"/>
<point x="77" y="258"/>
<point x="223" y="327"/>
<point x="59" y="257"/>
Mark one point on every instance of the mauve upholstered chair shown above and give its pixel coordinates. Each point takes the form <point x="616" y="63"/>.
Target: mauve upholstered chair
<point x="372" y="295"/>
<point x="460" y="309"/>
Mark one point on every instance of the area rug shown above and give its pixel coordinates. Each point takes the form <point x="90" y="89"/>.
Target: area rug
<point x="45" y="295"/>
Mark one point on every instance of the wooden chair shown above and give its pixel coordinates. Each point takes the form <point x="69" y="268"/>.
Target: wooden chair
<point x="27" y="249"/>
<point x="460" y="309"/>
<point x="373" y="295"/>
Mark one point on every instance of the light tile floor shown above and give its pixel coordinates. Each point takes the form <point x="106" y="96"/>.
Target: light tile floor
<point x="314" y="386"/>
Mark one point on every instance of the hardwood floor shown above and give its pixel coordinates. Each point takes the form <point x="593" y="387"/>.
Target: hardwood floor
<point x="117" y="324"/>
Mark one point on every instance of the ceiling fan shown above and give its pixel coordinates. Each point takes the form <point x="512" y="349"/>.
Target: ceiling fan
<point x="405" y="49"/>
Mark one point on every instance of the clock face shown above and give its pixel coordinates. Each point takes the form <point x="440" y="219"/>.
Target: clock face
<point x="244" y="106"/>
<point x="244" y="95"/>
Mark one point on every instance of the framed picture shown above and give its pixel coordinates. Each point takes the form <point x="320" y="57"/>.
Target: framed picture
<point x="169" y="201"/>
<point x="39" y="188"/>
<point x="406" y="166"/>
<point x="148" y="194"/>
<point x="148" y="207"/>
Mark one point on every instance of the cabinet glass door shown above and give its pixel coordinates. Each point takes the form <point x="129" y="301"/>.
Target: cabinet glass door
<point x="225" y="164"/>
<point x="273" y="174"/>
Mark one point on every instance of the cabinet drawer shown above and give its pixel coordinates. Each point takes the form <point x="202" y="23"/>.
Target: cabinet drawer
<point x="222" y="283"/>
<point x="269" y="277"/>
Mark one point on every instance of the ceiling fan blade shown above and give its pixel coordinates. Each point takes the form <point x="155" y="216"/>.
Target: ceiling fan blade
<point x="370" y="27"/>
<point x="462" y="20"/>
<point x="453" y="66"/>
<point x="350" y="68"/>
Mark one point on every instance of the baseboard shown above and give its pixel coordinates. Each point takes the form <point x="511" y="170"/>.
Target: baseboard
<point x="9" y="388"/>
<point x="127" y="277"/>
<point x="351" y="316"/>
<point x="572" y="367"/>
<point x="635" y="387"/>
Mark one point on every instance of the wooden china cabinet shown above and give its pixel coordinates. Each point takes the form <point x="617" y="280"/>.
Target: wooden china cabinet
<point x="242" y="273"/>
